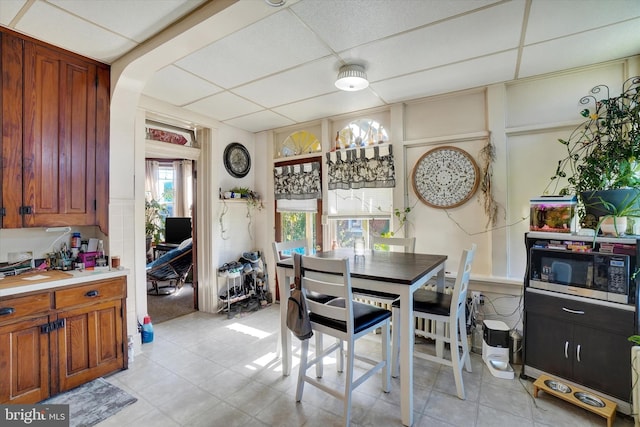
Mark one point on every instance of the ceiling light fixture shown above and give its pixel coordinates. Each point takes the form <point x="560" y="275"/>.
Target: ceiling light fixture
<point x="351" y="78"/>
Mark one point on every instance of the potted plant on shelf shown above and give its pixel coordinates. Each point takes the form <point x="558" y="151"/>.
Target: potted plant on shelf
<point x="602" y="165"/>
<point x="614" y="222"/>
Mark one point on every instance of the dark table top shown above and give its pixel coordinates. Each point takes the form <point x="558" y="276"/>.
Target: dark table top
<point x="396" y="267"/>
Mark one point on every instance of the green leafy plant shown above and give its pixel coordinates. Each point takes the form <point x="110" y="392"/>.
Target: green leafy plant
<point x="603" y="152"/>
<point x="154" y="213"/>
<point x="634" y="339"/>
<point x="243" y="191"/>
<point x="629" y="208"/>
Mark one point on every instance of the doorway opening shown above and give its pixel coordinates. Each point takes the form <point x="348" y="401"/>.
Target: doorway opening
<point x="170" y="220"/>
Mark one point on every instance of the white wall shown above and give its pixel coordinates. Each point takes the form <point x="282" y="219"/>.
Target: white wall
<point x="523" y="120"/>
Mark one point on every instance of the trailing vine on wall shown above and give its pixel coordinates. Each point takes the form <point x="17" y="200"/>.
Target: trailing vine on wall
<point x="487" y="157"/>
<point x="223" y="212"/>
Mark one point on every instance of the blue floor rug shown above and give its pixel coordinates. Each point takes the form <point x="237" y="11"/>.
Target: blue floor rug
<point x="92" y="402"/>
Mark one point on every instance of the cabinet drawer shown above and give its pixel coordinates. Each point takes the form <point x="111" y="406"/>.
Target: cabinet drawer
<point x="594" y="315"/>
<point x="21" y="307"/>
<point x="90" y="293"/>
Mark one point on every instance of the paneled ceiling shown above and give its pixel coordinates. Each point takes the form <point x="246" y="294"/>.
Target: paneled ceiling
<point x="278" y="65"/>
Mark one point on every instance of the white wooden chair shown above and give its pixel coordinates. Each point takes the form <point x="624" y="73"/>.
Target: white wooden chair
<point x="443" y="309"/>
<point x="408" y="245"/>
<point x="279" y="247"/>
<point x="344" y="319"/>
<point x="291" y="246"/>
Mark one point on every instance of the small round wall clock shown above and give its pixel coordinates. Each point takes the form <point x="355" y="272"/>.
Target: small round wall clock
<point x="445" y="177"/>
<point x="237" y="160"/>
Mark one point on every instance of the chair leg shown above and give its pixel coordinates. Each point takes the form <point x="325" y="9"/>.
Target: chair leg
<point x="348" y="387"/>
<point x="440" y="326"/>
<point x="395" y="347"/>
<point x="302" y="369"/>
<point x="340" y="355"/>
<point x="319" y="350"/>
<point x="386" y="356"/>
<point x="462" y="324"/>
<point x="456" y="359"/>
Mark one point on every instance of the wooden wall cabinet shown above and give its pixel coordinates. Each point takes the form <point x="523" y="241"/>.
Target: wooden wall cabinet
<point x="55" y="340"/>
<point x="55" y="121"/>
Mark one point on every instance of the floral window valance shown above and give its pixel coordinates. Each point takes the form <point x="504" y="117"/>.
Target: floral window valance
<point x="361" y="168"/>
<point x="300" y="181"/>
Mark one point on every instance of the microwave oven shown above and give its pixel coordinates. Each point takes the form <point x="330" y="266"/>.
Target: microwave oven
<point x="602" y="276"/>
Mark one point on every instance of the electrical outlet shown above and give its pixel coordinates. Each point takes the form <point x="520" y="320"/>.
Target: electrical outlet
<point x="478" y="298"/>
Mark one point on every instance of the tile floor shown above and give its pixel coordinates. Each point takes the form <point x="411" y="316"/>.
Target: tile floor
<point x="208" y="370"/>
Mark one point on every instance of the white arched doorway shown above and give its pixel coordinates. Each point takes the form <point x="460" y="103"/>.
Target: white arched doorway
<point x="129" y="75"/>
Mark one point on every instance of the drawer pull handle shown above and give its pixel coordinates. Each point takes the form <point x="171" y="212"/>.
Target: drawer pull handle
<point x="568" y="310"/>
<point x="566" y="349"/>
<point x="5" y="311"/>
<point x="92" y="294"/>
<point x="578" y="353"/>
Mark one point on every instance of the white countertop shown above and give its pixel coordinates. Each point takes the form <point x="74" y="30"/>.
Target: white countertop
<point x="78" y="277"/>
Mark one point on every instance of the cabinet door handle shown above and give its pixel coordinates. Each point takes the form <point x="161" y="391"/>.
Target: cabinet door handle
<point x="92" y="294"/>
<point x="578" y="353"/>
<point x="5" y="311"/>
<point x="568" y="310"/>
<point x="566" y="349"/>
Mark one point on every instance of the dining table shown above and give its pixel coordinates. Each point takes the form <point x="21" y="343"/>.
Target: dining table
<point x="396" y="273"/>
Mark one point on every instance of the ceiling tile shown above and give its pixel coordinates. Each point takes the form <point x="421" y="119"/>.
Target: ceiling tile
<point x="178" y="87"/>
<point x="276" y="43"/>
<point x="485" y="32"/>
<point x="45" y="22"/>
<point x="134" y="19"/>
<point x="9" y="9"/>
<point x="223" y="106"/>
<point x="586" y="48"/>
<point x="464" y="75"/>
<point x="262" y="120"/>
<point x="312" y="79"/>
<point x="345" y="24"/>
<point x="329" y="105"/>
<point x="552" y="19"/>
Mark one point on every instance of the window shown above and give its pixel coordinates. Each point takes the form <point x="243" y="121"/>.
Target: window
<point x="169" y="184"/>
<point x="301" y="142"/>
<point x="361" y="133"/>
<point x="166" y="185"/>
<point x="363" y="212"/>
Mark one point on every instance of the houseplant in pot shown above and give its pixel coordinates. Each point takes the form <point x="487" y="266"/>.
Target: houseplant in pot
<point x="154" y="212"/>
<point x="602" y="164"/>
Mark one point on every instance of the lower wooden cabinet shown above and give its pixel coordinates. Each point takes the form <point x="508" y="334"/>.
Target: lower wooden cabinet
<point x="580" y="341"/>
<point x="52" y="341"/>
<point x="24" y="362"/>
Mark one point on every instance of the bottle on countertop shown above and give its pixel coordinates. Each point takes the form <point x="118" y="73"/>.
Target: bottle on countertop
<point x="75" y="241"/>
<point x="101" y="260"/>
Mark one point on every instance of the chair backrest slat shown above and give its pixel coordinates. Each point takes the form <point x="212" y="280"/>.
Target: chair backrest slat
<point x="407" y="243"/>
<point x="279" y="247"/>
<point x="331" y="277"/>
<point x="461" y="285"/>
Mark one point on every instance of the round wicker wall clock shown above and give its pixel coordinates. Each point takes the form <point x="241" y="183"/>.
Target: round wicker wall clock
<point x="237" y="160"/>
<point x="445" y="177"/>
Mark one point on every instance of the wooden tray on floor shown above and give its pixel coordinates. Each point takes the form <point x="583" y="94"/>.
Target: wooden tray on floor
<point x="546" y="384"/>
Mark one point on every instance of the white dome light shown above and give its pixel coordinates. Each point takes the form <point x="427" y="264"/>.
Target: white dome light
<point x="352" y="78"/>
